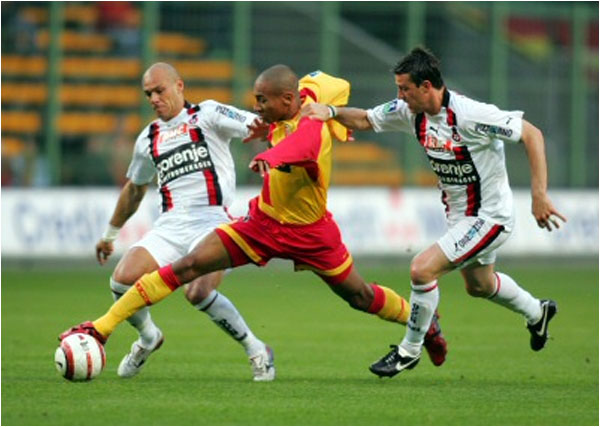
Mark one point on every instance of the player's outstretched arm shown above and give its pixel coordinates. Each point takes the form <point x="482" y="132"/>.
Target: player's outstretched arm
<point x="128" y="203"/>
<point x="352" y="118"/>
<point x="542" y="208"/>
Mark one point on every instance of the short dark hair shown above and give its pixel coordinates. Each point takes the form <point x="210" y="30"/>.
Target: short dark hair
<point x="422" y="65"/>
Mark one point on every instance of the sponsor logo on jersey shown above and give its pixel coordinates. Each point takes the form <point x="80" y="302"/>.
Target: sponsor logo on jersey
<point x="391" y="106"/>
<point x="493" y="130"/>
<point x="469" y="235"/>
<point x="170" y="134"/>
<point x="315" y="73"/>
<point x="434" y="144"/>
<point x="230" y="113"/>
<point x="183" y="160"/>
<point x="454" y="172"/>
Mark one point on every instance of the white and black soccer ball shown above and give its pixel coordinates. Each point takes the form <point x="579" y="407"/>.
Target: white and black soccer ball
<point x="80" y="357"/>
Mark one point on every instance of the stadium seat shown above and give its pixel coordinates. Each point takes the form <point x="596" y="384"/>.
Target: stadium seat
<point x="362" y="152"/>
<point x="70" y="123"/>
<point x="101" y="95"/>
<point x="23" y="66"/>
<point x="114" y="68"/>
<point x="367" y="177"/>
<point x="20" y="122"/>
<point x="12" y="146"/>
<point x="178" y="44"/>
<point x="73" y="13"/>
<point x="73" y="41"/>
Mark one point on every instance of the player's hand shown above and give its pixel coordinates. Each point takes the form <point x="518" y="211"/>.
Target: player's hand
<point x="545" y="213"/>
<point x="260" y="166"/>
<point x="316" y="112"/>
<point x="103" y="250"/>
<point x="258" y="129"/>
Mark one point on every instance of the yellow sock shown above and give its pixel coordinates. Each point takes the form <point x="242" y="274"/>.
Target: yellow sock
<point x="149" y="289"/>
<point x="388" y="305"/>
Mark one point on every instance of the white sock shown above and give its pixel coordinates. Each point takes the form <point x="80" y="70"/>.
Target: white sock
<point x="423" y="302"/>
<point x="222" y="311"/>
<point x="140" y="320"/>
<point x="510" y="295"/>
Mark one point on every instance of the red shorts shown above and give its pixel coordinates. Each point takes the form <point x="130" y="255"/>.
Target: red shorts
<point x="318" y="247"/>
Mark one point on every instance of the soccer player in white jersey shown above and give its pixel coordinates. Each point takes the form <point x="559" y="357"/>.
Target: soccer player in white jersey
<point x="464" y="142"/>
<point x="187" y="147"/>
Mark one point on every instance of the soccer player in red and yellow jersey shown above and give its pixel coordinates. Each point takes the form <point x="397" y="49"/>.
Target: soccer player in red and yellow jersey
<point x="289" y="219"/>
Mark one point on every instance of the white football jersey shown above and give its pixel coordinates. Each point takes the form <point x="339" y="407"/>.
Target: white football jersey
<point x="190" y="155"/>
<point x="464" y="143"/>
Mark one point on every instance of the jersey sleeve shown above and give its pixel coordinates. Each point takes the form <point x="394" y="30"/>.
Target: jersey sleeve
<point x="391" y="116"/>
<point x="227" y="120"/>
<point x="488" y="120"/>
<point x="141" y="170"/>
<point x="300" y="148"/>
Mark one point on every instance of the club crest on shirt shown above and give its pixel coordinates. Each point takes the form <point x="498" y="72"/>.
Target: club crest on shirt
<point x="194" y="119"/>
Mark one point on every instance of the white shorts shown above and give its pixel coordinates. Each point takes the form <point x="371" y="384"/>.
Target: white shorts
<point x="473" y="239"/>
<point x="174" y="235"/>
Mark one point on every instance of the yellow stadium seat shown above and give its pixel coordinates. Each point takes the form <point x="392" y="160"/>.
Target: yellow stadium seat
<point x="12" y="146"/>
<point x="179" y="44"/>
<point x="362" y="152"/>
<point x="23" y="66"/>
<point x="367" y="177"/>
<point x="77" y="13"/>
<point x="113" y="68"/>
<point x="73" y="41"/>
<point x="21" y="122"/>
<point x="100" y="95"/>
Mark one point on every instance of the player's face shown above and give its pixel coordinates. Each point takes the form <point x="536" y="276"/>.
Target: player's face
<point x="164" y="93"/>
<point x="414" y="96"/>
<point x="269" y="105"/>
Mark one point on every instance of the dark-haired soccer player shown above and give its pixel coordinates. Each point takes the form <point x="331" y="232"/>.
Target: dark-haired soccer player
<point x="464" y="142"/>
<point x="289" y="219"/>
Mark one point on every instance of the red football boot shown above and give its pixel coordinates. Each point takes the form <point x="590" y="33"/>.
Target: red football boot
<point x="435" y="343"/>
<point x="84" y="328"/>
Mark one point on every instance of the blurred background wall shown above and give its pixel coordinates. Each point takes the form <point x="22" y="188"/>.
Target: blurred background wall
<point x="72" y="104"/>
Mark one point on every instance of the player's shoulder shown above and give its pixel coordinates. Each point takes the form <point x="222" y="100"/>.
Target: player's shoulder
<point x="467" y="108"/>
<point x="218" y="110"/>
<point x="148" y="130"/>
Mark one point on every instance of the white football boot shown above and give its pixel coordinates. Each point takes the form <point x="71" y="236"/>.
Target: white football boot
<point x="133" y="361"/>
<point x="263" y="367"/>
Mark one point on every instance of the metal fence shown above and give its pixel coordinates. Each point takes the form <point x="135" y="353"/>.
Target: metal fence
<point x="71" y="102"/>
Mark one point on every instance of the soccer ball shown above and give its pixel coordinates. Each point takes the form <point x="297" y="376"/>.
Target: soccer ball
<point x="80" y="357"/>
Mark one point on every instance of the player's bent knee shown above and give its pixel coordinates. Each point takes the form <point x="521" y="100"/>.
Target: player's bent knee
<point x="419" y="273"/>
<point x="200" y="289"/>
<point x="124" y="277"/>
<point x="195" y="295"/>
<point x="476" y="290"/>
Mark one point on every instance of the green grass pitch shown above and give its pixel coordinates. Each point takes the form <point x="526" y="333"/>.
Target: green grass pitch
<point x="322" y="351"/>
